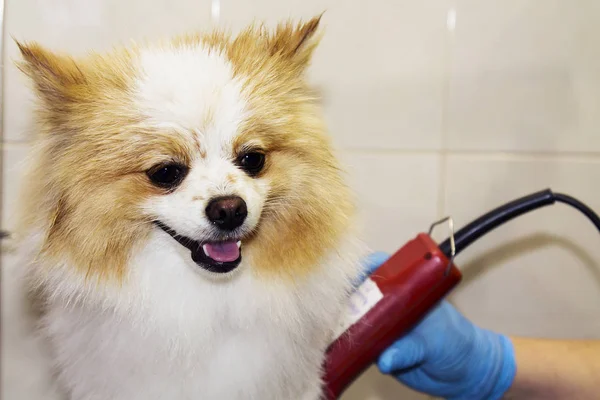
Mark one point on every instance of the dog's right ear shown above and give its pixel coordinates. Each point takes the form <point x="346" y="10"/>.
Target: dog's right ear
<point x="56" y="78"/>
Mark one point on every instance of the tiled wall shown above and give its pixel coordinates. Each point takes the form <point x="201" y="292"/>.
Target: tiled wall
<point x="439" y="107"/>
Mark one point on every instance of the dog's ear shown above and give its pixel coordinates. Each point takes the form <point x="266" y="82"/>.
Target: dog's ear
<point x="295" y="43"/>
<point x="56" y="78"/>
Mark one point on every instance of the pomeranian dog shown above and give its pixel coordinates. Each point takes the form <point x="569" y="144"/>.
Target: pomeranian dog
<point x="186" y="226"/>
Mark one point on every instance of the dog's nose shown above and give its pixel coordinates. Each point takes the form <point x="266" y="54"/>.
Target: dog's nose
<point x="228" y="212"/>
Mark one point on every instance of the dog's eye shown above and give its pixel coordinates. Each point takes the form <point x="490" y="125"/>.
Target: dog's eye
<point x="252" y="162"/>
<point x="167" y="175"/>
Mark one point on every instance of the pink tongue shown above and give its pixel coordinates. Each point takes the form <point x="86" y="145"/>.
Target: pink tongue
<point x="222" y="252"/>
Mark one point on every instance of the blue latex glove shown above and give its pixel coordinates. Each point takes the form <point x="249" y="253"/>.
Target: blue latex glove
<point x="447" y="356"/>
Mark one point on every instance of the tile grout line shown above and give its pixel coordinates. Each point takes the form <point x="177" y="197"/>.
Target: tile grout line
<point x="12" y="144"/>
<point x="443" y="161"/>
<point x="490" y="155"/>
<point x="418" y="152"/>
<point x="2" y="103"/>
<point x="475" y="153"/>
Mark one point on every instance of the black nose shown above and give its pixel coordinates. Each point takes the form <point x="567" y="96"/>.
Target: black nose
<point x="228" y="212"/>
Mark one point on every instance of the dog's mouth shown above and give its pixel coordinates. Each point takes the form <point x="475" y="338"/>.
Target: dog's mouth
<point x="214" y="256"/>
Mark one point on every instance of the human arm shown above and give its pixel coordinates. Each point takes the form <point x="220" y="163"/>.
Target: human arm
<point x="555" y="369"/>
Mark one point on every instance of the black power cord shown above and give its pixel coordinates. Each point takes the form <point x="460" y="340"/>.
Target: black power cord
<point x="493" y="219"/>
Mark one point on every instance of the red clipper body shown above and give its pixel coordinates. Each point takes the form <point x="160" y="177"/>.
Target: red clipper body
<point x="412" y="282"/>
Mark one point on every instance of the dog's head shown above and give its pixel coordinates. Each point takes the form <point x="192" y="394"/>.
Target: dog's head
<point x="216" y="142"/>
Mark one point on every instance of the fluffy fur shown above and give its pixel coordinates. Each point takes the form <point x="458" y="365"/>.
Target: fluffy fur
<point x="126" y="312"/>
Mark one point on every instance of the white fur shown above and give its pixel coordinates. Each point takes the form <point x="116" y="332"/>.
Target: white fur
<point x="193" y="90"/>
<point x="173" y="333"/>
<point x="173" y="330"/>
<point x="183" y="210"/>
<point x="180" y="87"/>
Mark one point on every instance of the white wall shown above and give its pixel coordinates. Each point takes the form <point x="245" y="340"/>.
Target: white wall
<point x="439" y="107"/>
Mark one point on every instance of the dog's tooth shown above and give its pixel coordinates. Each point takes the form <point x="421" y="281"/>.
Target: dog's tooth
<point x="205" y="250"/>
<point x="239" y="243"/>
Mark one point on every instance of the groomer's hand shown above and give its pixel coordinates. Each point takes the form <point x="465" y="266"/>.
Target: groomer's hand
<point x="447" y="356"/>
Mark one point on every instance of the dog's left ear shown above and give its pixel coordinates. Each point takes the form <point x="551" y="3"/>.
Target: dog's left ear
<point x="295" y="44"/>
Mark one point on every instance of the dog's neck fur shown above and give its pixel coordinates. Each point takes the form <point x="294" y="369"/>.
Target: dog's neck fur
<point x="171" y="332"/>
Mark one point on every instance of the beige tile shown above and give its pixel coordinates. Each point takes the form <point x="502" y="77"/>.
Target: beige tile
<point x="13" y="159"/>
<point x="381" y="39"/>
<point x="524" y="76"/>
<point x="397" y="194"/>
<point x="379" y="66"/>
<point x="79" y="26"/>
<point x="539" y="274"/>
<point x="402" y="113"/>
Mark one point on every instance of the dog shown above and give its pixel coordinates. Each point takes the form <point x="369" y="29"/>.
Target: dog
<point x="186" y="227"/>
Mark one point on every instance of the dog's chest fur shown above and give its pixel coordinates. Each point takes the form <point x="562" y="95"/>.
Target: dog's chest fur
<point x="171" y="333"/>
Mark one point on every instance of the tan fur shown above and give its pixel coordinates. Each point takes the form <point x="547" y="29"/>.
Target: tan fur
<point x="231" y="178"/>
<point x="304" y="216"/>
<point x="89" y="178"/>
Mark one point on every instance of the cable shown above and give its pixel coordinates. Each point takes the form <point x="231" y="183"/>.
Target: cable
<point x="493" y="219"/>
<point x="566" y="199"/>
